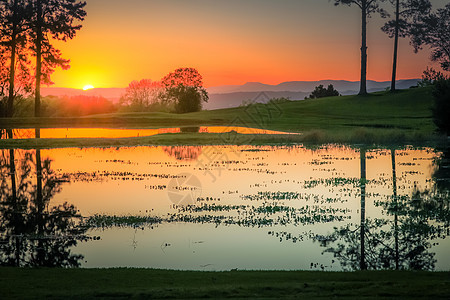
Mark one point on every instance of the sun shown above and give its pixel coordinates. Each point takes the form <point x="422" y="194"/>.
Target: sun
<point x="88" y="87"/>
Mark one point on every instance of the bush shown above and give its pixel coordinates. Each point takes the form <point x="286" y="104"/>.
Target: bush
<point x="430" y="76"/>
<point x="321" y="92"/>
<point x="441" y="108"/>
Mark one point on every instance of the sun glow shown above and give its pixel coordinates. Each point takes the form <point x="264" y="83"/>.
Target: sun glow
<point x="88" y="87"/>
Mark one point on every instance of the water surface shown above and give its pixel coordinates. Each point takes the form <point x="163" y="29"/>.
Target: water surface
<point x="226" y="207"/>
<point x="50" y="133"/>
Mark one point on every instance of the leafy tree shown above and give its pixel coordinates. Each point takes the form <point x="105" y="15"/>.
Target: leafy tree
<point x="141" y="95"/>
<point x="14" y="64"/>
<point x="433" y="30"/>
<point x="52" y="19"/>
<point x="367" y="7"/>
<point x="407" y="13"/>
<point x="321" y="92"/>
<point x="184" y="88"/>
<point x="441" y="109"/>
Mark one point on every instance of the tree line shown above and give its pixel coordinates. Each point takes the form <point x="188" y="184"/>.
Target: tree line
<point x="27" y="55"/>
<point x="180" y="91"/>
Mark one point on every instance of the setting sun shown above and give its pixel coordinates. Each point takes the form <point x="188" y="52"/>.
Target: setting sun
<point x="88" y="87"/>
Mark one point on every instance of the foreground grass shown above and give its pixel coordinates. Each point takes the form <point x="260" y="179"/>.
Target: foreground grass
<point x="380" y="118"/>
<point x="147" y="283"/>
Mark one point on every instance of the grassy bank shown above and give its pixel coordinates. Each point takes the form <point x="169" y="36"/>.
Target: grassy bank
<point x="146" y="283"/>
<point x="361" y="136"/>
<point x="381" y="118"/>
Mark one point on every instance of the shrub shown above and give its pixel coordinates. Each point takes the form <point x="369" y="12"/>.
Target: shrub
<point x="321" y="92"/>
<point x="441" y="108"/>
<point x="430" y="76"/>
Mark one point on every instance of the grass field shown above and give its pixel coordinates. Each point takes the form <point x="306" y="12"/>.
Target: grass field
<point x="146" y="283"/>
<point x="384" y="118"/>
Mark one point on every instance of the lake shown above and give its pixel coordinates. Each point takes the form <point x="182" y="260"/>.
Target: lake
<point x="333" y="207"/>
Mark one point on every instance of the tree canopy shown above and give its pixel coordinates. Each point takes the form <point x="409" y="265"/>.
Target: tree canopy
<point x="433" y="30"/>
<point x="184" y="88"/>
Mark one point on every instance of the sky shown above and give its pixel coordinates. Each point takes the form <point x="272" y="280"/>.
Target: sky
<point x="229" y="42"/>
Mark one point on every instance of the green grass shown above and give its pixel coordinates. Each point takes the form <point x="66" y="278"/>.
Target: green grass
<point x="382" y="118"/>
<point x="147" y="283"/>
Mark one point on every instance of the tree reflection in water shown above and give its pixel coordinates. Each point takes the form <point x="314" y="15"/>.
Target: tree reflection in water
<point x="31" y="232"/>
<point x="401" y="241"/>
<point x="187" y="153"/>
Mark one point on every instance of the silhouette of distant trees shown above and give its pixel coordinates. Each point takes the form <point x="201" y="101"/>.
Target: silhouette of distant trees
<point x="184" y="88"/>
<point x="321" y="92"/>
<point x="367" y="7"/>
<point x="407" y="14"/>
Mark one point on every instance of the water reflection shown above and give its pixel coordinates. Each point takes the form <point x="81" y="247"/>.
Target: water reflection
<point x="265" y="208"/>
<point x="32" y="233"/>
<point x="182" y="152"/>
<point x="50" y="133"/>
<point x="402" y="240"/>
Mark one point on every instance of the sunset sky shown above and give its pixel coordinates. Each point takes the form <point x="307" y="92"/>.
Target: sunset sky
<point x="229" y="42"/>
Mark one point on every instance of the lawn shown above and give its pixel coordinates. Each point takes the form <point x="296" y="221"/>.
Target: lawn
<point x="148" y="283"/>
<point x="382" y="118"/>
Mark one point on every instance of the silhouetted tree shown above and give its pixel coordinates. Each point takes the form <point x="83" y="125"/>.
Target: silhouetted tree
<point x="14" y="58"/>
<point x="52" y="19"/>
<point x="321" y="92"/>
<point x="184" y="88"/>
<point x="433" y="30"/>
<point x="367" y="7"/>
<point x="407" y="13"/>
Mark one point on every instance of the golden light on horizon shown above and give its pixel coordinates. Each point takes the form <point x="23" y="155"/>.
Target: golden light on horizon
<point x="88" y="87"/>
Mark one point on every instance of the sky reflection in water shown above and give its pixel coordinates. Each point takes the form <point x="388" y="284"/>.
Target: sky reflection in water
<point x="225" y="207"/>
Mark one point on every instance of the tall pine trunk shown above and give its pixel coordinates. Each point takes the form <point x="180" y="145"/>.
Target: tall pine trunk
<point x="394" y="67"/>
<point x="39" y="38"/>
<point x="12" y="68"/>
<point x="363" y="82"/>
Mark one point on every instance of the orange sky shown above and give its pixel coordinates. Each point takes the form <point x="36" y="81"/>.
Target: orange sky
<point x="229" y="42"/>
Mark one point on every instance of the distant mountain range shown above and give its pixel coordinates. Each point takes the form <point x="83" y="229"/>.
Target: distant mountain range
<point x="233" y="95"/>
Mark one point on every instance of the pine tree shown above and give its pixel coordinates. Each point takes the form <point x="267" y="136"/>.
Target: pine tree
<point x="407" y="13"/>
<point x="56" y="19"/>
<point x="367" y="7"/>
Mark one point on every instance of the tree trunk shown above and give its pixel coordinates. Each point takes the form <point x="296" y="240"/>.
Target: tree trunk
<point x="362" y="263"/>
<point x="39" y="38"/>
<point x="363" y="82"/>
<point x="394" y="187"/>
<point x="16" y="208"/>
<point x="394" y="67"/>
<point x="12" y="68"/>
<point x="40" y="205"/>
